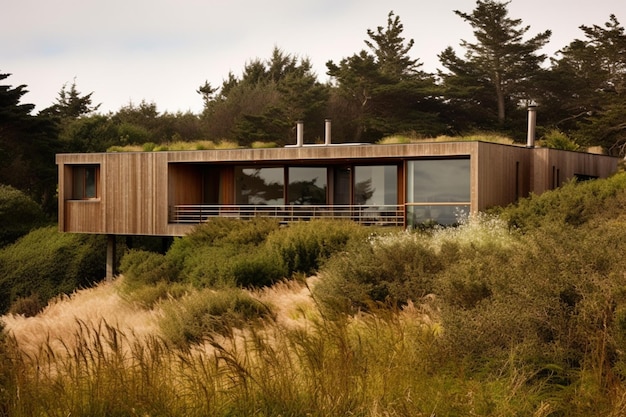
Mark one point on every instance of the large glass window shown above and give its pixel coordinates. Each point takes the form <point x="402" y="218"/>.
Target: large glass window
<point x="259" y="186"/>
<point x="84" y="182"/>
<point x="376" y="185"/>
<point x="438" y="180"/>
<point x="307" y="185"/>
<point x="438" y="191"/>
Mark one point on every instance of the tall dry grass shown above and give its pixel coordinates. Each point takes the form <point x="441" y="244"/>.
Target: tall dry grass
<point x="96" y="353"/>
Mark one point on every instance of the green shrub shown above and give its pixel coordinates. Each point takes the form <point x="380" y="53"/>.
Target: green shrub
<point x="148" y="146"/>
<point x="149" y="295"/>
<point x="48" y="263"/>
<point x="206" y="312"/>
<point x="227" y="252"/>
<point x="391" y="270"/>
<point x="257" y="269"/>
<point x="304" y="246"/>
<point x="574" y="204"/>
<point x="141" y="267"/>
<point x="19" y="214"/>
<point x="556" y="139"/>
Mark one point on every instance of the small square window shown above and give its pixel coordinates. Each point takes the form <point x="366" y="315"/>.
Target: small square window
<point x="85" y="182"/>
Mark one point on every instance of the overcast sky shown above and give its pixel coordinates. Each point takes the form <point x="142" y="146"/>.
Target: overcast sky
<point x="161" y="51"/>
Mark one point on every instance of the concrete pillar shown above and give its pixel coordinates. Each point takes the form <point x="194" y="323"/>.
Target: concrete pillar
<point x="111" y="258"/>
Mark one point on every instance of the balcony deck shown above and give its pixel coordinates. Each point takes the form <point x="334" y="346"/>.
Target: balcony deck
<point x="385" y="215"/>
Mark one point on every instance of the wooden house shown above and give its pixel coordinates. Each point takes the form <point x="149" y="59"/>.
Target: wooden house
<point x="168" y="193"/>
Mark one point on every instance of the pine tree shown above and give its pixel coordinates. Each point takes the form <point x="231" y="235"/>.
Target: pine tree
<point x="498" y="68"/>
<point x="383" y="89"/>
<point x="27" y="146"/>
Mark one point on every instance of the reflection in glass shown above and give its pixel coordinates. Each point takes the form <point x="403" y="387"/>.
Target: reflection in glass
<point x="307" y="185"/>
<point x="446" y="215"/>
<point x="441" y="180"/>
<point x="259" y="186"/>
<point x="376" y="185"/>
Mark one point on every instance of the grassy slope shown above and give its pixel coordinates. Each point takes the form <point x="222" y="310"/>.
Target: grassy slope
<point x="568" y="243"/>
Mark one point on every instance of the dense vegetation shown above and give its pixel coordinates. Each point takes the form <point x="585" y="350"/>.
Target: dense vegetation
<point x="517" y="312"/>
<point x="44" y="264"/>
<point x="374" y="93"/>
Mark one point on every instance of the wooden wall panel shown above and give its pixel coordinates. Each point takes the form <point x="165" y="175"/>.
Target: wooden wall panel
<point x="136" y="188"/>
<point x="502" y="175"/>
<point x="83" y="216"/>
<point x="552" y="168"/>
<point x="136" y="193"/>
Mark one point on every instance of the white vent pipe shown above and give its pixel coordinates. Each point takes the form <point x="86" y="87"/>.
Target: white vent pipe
<point x="327" y="132"/>
<point x="299" y="133"/>
<point x="532" y="124"/>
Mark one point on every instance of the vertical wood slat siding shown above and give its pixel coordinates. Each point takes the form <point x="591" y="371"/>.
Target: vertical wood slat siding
<point x="137" y="188"/>
<point x="227" y="185"/>
<point x="568" y="164"/>
<point x="77" y="215"/>
<point x="83" y="216"/>
<point x="136" y="193"/>
<point x="497" y="179"/>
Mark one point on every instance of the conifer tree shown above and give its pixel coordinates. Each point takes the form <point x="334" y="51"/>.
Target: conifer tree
<point x="384" y="89"/>
<point x="499" y="67"/>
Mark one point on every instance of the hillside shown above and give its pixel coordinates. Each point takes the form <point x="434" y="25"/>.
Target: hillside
<point x="518" y="312"/>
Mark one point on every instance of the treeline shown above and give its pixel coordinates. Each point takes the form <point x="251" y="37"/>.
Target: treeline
<point x="377" y="92"/>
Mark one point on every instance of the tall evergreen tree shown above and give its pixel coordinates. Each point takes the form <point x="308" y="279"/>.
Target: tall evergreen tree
<point x="384" y="89"/>
<point x="71" y="105"/>
<point x="266" y="101"/>
<point x="585" y="89"/>
<point x="498" y="69"/>
<point x="28" y="144"/>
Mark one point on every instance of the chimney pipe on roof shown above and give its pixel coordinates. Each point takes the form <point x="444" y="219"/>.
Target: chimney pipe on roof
<point x="299" y="133"/>
<point x="327" y="132"/>
<point x="532" y="123"/>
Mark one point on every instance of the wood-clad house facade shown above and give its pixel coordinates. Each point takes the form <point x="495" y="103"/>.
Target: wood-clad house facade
<point x="167" y="193"/>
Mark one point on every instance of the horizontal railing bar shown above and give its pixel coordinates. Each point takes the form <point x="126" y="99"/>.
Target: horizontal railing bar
<point x="389" y="214"/>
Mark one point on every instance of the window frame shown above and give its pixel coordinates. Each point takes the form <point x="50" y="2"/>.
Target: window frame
<point x="85" y="187"/>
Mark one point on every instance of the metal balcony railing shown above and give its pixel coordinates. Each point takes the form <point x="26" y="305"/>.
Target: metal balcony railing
<point x="383" y="215"/>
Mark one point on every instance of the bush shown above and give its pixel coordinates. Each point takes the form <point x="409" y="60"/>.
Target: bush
<point x="141" y="267"/>
<point x="227" y="252"/>
<point x="27" y="306"/>
<point x="49" y="263"/>
<point x="391" y="271"/>
<point x="556" y="139"/>
<point x="19" y="214"/>
<point x="206" y="312"/>
<point x="573" y="204"/>
<point x="304" y="246"/>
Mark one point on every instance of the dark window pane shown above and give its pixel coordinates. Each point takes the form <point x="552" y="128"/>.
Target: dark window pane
<point x="307" y="185"/>
<point x="90" y="182"/>
<point x="84" y="182"/>
<point x="376" y="185"/>
<point x="342" y="186"/>
<point x="444" y="180"/>
<point x="441" y="214"/>
<point x="259" y="186"/>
